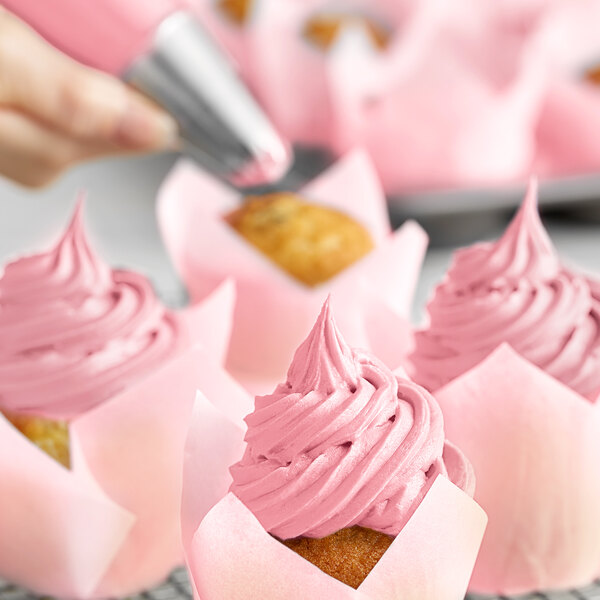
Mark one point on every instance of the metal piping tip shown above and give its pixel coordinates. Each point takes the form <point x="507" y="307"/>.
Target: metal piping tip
<point x="222" y="126"/>
<point x="267" y="168"/>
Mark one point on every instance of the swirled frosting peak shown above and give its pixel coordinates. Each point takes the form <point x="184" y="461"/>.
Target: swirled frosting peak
<point x="525" y="250"/>
<point x="342" y="442"/>
<point x="324" y="361"/>
<point x="73" y="332"/>
<point x="514" y="290"/>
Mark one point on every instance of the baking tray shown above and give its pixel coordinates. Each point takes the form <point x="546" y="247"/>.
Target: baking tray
<point x="177" y="587"/>
<point x="461" y="215"/>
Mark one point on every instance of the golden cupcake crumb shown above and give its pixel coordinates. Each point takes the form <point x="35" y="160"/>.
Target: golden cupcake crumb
<point x="593" y="75"/>
<point x="237" y="11"/>
<point x="312" y="243"/>
<point x="323" y="30"/>
<point x="349" y="555"/>
<point x="50" y="436"/>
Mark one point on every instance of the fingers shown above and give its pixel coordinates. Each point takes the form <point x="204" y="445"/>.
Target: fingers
<point x="74" y="100"/>
<point x="33" y="155"/>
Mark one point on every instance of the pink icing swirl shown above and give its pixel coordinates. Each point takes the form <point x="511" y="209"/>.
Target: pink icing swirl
<point x="516" y="291"/>
<point x="343" y="442"/>
<point x="73" y="332"/>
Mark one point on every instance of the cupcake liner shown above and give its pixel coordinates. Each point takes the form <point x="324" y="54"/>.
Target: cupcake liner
<point x="109" y="526"/>
<point x="289" y="74"/>
<point x="230" y="555"/>
<point x="535" y="448"/>
<point x="273" y="312"/>
<point x="49" y="517"/>
<point x="566" y="144"/>
<point x="299" y="83"/>
<point x="481" y="133"/>
<point x="389" y="100"/>
<point x="230" y="36"/>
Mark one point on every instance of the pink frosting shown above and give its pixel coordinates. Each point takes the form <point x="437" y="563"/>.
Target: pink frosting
<point x="516" y="291"/>
<point x="343" y="442"/>
<point x="73" y="332"/>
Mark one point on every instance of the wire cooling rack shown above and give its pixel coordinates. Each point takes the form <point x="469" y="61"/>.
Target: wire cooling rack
<point x="177" y="587"/>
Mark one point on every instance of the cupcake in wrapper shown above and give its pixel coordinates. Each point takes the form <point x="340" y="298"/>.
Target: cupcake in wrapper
<point x="344" y="487"/>
<point x="571" y="111"/>
<point x="377" y="74"/>
<point x="515" y="291"/>
<point x="336" y="218"/>
<point x="96" y="388"/>
<point x="513" y="341"/>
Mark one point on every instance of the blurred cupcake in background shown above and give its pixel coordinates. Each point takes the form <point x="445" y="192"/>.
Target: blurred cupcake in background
<point x="97" y="380"/>
<point x="566" y="134"/>
<point x="286" y="252"/>
<point x="343" y="480"/>
<point x="511" y="348"/>
<point x="379" y="74"/>
<point x="441" y="94"/>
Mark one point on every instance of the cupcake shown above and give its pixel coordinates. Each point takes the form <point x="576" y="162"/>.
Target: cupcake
<point x="323" y="29"/>
<point x="339" y="462"/>
<point x="89" y="444"/>
<point x="514" y="290"/>
<point x="286" y="252"/>
<point x="75" y="332"/>
<point x="570" y="115"/>
<point x="512" y="350"/>
<point x="310" y="242"/>
<point x="375" y="74"/>
<point x="237" y="11"/>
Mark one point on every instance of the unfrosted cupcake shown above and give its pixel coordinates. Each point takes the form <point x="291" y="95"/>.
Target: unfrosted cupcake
<point x="514" y="290"/>
<point x="310" y="242"/>
<point x="340" y="455"/>
<point x="286" y="252"/>
<point x="324" y="28"/>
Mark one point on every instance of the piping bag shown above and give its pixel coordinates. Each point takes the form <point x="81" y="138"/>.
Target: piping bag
<point x="159" y="47"/>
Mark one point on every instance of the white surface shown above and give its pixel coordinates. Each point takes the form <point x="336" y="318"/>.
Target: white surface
<point x="120" y="217"/>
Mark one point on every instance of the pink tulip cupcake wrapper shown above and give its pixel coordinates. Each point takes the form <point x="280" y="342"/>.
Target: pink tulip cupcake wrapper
<point x="571" y="106"/>
<point x="535" y="448"/>
<point x="109" y="526"/>
<point x="273" y="311"/>
<point x="230" y="555"/>
<point x="354" y="94"/>
<point x="504" y="118"/>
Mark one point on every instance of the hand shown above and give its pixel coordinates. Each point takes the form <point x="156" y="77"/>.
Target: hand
<point x="55" y="112"/>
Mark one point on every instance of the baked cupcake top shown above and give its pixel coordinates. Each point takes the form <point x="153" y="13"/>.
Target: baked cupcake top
<point x="514" y="290"/>
<point x="73" y="332"/>
<point x="311" y="242"/>
<point x="342" y="442"/>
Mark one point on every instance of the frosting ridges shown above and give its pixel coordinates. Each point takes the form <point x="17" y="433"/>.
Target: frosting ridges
<point x="74" y="332"/>
<point x="343" y="442"/>
<point x="517" y="291"/>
